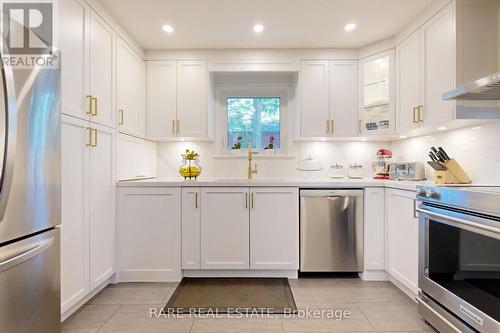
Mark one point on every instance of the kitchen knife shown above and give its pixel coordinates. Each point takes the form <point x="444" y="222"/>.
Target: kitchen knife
<point x="437" y="154"/>
<point x="432" y="156"/>
<point x="444" y="154"/>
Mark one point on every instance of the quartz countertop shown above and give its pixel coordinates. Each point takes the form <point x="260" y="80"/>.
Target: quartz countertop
<point x="292" y="182"/>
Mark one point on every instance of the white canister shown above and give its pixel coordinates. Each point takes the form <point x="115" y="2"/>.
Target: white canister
<point x="355" y="171"/>
<point x="337" y="171"/>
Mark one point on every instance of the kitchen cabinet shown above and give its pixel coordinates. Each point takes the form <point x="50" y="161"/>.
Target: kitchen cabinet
<point x="88" y="208"/>
<point x="377" y="94"/>
<point x="274" y="228"/>
<point x="329" y="98"/>
<point x="225" y="228"/>
<point x="191" y="227"/>
<point x="148" y="234"/>
<point x="131" y="90"/>
<point x="135" y="158"/>
<point x="374" y="217"/>
<point x="177" y="99"/>
<point x="87" y="44"/>
<point x="402" y="238"/>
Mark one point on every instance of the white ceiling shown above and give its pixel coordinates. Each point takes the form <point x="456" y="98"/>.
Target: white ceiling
<point x="216" y="24"/>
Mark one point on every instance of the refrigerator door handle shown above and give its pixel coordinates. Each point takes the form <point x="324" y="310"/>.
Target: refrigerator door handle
<point x="23" y="255"/>
<point x="10" y="138"/>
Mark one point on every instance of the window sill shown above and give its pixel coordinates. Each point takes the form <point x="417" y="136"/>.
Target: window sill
<point x="244" y="156"/>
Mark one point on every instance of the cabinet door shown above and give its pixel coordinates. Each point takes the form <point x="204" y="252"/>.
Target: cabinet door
<point x="192" y="98"/>
<point x="374" y="228"/>
<point x="377" y="92"/>
<point x="75" y="212"/>
<point x="73" y="43"/>
<point x="225" y="228"/>
<point x="274" y="228"/>
<point x="161" y="99"/>
<point x="191" y="218"/>
<point x="344" y="98"/>
<point x="135" y="157"/>
<point x="402" y="238"/>
<point x="102" y="71"/>
<point x="315" y="98"/>
<point x="131" y="112"/>
<point x="438" y="54"/>
<point x="148" y="234"/>
<point x="408" y="85"/>
<point x="102" y="205"/>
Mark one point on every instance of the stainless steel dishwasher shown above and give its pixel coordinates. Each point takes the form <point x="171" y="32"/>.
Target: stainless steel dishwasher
<point x="331" y="230"/>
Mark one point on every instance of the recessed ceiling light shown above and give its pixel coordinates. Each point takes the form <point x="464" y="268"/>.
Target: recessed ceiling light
<point x="168" y="28"/>
<point x="350" y="27"/>
<point x="363" y="139"/>
<point x="258" y="28"/>
<point x="442" y="128"/>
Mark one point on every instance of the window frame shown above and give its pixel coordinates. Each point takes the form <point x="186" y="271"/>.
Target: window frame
<point x="224" y="92"/>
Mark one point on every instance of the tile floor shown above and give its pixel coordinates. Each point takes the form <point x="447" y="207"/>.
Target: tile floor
<point x="373" y="306"/>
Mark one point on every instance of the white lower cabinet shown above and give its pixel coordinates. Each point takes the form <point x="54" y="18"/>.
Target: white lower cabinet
<point x="402" y="238"/>
<point x="274" y="228"/>
<point x="240" y="228"/>
<point x="148" y="234"/>
<point x="225" y="228"/>
<point x="374" y="231"/>
<point x="88" y="208"/>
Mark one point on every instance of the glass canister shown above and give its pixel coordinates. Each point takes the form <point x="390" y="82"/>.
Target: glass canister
<point x="190" y="168"/>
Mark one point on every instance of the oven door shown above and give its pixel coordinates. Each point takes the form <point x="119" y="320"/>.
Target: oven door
<point x="459" y="264"/>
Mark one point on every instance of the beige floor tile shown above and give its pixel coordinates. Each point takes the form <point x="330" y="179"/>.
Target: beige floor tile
<point x="225" y="324"/>
<point x="138" y="319"/>
<point x="133" y="293"/>
<point x="349" y="294"/>
<point x="393" y="317"/>
<point x="394" y="295"/>
<point x="89" y="319"/>
<point x="327" y="325"/>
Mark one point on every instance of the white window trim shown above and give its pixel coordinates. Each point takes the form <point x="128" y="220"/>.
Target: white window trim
<point x="222" y="92"/>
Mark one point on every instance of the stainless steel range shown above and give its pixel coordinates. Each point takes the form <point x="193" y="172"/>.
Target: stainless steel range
<point x="459" y="258"/>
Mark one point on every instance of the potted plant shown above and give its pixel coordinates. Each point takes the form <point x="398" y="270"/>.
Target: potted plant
<point x="269" y="149"/>
<point x="235" y="149"/>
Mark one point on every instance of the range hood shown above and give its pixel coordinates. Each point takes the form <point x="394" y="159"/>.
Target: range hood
<point x="484" y="89"/>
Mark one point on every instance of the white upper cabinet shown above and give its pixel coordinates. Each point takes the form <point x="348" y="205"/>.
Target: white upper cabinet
<point x="74" y="16"/>
<point x="131" y="90"/>
<point x="377" y="94"/>
<point x="225" y="228"/>
<point x="191" y="98"/>
<point x="161" y="99"/>
<point x="409" y="78"/>
<point x="135" y="158"/>
<point x="438" y="60"/>
<point x="102" y="71"/>
<point x="177" y="99"/>
<point x="274" y="228"/>
<point x="315" y="98"/>
<point x="343" y="98"/>
<point x="329" y="98"/>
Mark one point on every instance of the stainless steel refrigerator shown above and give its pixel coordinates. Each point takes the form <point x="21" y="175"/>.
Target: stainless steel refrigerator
<point x="30" y="200"/>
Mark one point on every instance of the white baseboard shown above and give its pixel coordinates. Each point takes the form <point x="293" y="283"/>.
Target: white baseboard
<point x="374" y="276"/>
<point x="85" y="299"/>
<point x="292" y="274"/>
<point x="410" y="293"/>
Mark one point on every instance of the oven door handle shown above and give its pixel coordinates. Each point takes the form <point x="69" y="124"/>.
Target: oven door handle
<point x="465" y="223"/>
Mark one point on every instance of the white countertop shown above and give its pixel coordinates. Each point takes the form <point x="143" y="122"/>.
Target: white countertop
<point x="296" y="182"/>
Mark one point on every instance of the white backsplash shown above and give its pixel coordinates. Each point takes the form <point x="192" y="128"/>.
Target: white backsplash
<point x="476" y="149"/>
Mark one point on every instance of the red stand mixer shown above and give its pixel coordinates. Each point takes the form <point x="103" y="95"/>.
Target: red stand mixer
<point x="381" y="164"/>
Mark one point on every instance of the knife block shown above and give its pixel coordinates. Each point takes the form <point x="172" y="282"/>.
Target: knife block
<point x="454" y="174"/>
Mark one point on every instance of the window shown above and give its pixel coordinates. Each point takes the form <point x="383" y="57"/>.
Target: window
<point x="255" y="120"/>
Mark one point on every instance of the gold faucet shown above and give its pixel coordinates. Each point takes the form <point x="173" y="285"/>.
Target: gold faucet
<point x="250" y="155"/>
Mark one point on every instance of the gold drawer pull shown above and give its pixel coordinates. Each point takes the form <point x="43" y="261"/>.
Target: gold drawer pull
<point x="120" y="114"/>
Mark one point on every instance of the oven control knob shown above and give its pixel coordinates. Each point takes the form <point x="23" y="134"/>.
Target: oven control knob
<point x="422" y="193"/>
<point x="433" y="195"/>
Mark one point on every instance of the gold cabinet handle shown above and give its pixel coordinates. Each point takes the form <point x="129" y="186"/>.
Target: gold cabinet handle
<point x="94" y="111"/>
<point x="246" y="199"/>
<point x="327" y="127"/>
<point x="89" y="132"/>
<point x="252" y="200"/>
<point x="420" y="113"/>
<point x="415" y="114"/>
<point x="360" y="126"/>
<point x="120" y="117"/>
<point x="173" y="127"/>
<point x="94" y="143"/>
<point x="89" y="110"/>
<point x="332" y="127"/>
<point x="195" y="199"/>
<point x="178" y="127"/>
